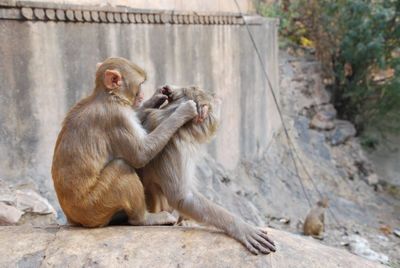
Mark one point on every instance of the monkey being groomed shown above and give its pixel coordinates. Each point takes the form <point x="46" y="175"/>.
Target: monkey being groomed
<point x="169" y="178"/>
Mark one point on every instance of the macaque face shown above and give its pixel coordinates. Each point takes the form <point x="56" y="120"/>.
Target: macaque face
<point x="121" y="77"/>
<point x="139" y="96"/>
<point x="135" y="81"/>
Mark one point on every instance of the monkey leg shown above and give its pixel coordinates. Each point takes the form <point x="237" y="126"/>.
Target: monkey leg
<point x="120" y="189"/>
<point x="155" y="198"/>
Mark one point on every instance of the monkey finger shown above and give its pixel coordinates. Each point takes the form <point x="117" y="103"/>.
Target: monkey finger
<point x="166" y="90"/>
<point x="250" y="247"/>
<point x="197" y="119"/>
<point x="258" y="246"/>
<point x="204" y="112"/>
<point x="263" y="231"/>
<point x="160" y="100"/>
<point x="264" y="242"/>
<point x="265" y="236"/>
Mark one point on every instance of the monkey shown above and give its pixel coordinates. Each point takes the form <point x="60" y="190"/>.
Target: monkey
<point x="169" y="176"/>
<point x="314" y="224"/>
<point x="102" y="144"/>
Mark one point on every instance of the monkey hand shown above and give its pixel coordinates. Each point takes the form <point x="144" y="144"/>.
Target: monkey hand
<point x="157" y="100"/>
<point x="255" y="239"/>
<point x="188" y="110"/>
<point x="159" y="97"/>
<point x="167" y="91"/>
<point x="202" y="113"/>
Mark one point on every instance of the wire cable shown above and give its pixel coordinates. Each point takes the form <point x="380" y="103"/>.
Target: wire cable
<point x="292" y="148"/>
<point x="276" y="103"/>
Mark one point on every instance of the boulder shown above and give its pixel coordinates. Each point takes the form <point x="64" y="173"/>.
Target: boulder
<point x="323" y="119"/>
<point x="344" y="130"/>
<point x="9" y="214"/>
<point x="30" y="201"/>
<point x="373" y="179"/>
<point x="25" y="206"/>
<point x="322" y="122"/>
<point x="360" y="246"/>
<point x="127" y="246"/>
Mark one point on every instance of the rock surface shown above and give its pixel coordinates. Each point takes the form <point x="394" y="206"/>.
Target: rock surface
<point x="24" y="205"/>
<point x="360" y="246"/>
<point x="344" y="130"/>
<point x="9" y="214"/>
<point x="126" y="246"/>
<point x="30" y="201"/>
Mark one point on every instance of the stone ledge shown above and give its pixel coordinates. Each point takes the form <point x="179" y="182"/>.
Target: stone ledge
<point x="127" y="246"/>
<point x="42" y="11"/>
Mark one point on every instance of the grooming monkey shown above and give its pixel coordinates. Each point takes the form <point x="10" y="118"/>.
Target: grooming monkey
<point x="102" y="143"/>
<point x="168" y="178"/>
<point x="314" y="224"/>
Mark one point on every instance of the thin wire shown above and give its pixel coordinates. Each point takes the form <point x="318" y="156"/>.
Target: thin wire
<point x="277" y="106"/>
<point x="292" y="148"/>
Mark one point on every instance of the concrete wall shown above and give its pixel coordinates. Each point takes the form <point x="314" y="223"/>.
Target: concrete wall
<point x="179" y="5"/>
<point x="45" y="67"/>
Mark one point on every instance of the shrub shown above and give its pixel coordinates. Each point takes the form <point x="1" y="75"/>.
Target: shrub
<point x="358" y="42"/>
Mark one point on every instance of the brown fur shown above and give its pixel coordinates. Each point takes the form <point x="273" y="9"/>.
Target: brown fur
<point x="314" y="223"/>
<point x="102" y="143"/>
<point x="169" y="177"/>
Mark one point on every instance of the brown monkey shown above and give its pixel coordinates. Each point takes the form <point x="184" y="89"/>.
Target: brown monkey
<point x="168" y="178"/>
<point x="102" y="142"/>
<point x="315" y="220"/>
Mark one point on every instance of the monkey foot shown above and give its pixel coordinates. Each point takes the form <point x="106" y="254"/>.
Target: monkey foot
<point x="161" y="218"/>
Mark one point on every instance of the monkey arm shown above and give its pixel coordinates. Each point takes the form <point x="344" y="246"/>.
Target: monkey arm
<point x="199" y="208"/>
<point x="203" y="210"/>
<point x="137" y="147"/>
<point x="139" y="150"/>
<point x="142" y="113"/>
<point x="322" y="215"/>
<point x="159" y="97"/>
<point x="154" y="102"/>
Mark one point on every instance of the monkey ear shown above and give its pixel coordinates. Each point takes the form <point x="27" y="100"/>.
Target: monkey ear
<point x="98" y="65"/>
<point x="112" y="79"/>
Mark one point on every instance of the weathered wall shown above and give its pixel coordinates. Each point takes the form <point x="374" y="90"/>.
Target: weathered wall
<point x="181" y="5"/>
<point x="45" y="67"/>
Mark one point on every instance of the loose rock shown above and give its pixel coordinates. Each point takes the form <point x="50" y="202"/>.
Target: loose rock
<point x="396" y="232"/>
<point x="9" y="214"/>
<point x="373" y="179"/>
<point x="344" y="130"/>
<point x="322" y="122"/>
<point x="360" y="246"/>
<point x="30" y="201"/>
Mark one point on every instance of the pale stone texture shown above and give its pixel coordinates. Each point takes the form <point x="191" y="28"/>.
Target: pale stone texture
<point x="159" y="247"/>
<point x="344" y="130"/>
<point x="360" y="246"/>
<point x="22" y="204"/>
<point x="9" y="214"/>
